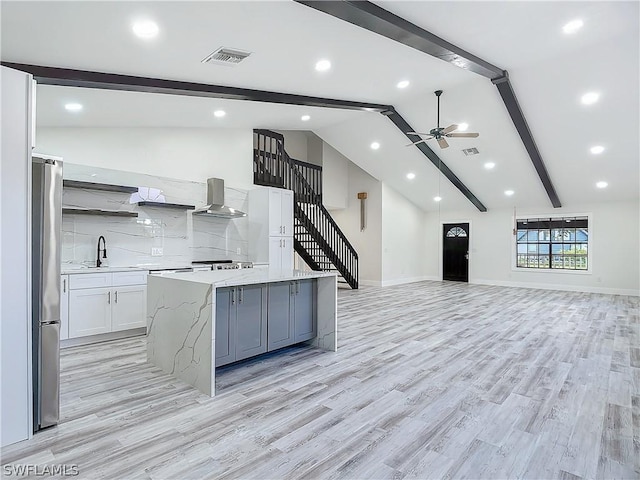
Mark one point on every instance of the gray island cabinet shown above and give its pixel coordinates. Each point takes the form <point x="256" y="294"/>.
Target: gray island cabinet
<point x="202" y="320"/>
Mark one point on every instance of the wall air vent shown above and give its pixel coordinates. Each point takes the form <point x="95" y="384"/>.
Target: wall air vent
<point x="226" y="56"/>
<point x="470" y="151"/>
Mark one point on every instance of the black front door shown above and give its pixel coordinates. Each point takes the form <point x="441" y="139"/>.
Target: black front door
<point x="455" y="252"/>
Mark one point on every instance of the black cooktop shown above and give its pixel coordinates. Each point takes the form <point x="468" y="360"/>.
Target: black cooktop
<point x="210" y="262"/>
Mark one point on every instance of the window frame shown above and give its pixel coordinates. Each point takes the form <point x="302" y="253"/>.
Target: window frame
<point x="589" y="242"/>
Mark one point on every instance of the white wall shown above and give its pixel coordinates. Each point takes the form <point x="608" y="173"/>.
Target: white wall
<point x="295" y="144"/>
<point x="335" y="178"/>
<point x="367" y="243"/>
<point x="614" y="232"/>
<point x="314" y="149"/>
<point x="15" y="257"/>
<point x="181" y="153"/>
<point x="404" y="245"/>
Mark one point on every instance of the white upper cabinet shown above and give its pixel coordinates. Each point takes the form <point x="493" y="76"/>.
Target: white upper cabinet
<point x="271" y="227"/>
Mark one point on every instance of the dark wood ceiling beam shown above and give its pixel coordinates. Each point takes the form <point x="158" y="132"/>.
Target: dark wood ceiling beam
<point x="110" y="81"/>
<point x="86" y="79"/>
<point x="376" y="19"/>
<point x="371" y="17"/>
<point x="513" y="107"/>
<point x="404" y="127"/>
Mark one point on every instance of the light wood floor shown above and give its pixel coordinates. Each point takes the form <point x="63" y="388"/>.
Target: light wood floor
<point x="431" y="380"/>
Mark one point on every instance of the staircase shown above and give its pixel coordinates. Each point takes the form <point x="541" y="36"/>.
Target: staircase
<point x="317" y="238"/>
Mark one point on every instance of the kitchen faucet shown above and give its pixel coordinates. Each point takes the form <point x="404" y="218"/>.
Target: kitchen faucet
<point x="104" y="250"/>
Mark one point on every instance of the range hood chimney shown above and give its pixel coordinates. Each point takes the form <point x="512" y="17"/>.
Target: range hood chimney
<point x="215" y="202"/>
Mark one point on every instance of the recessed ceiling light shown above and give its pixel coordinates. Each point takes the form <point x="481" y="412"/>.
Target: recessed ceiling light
<point x="411" y="175"/>
<point x="305" y="118"/>
<point x="597" y="149"/>
<point x="219" y="113"/>
<point x="590" y="98"/>
<point x="146" y="29"/>
<point x="403" y="84"/>
<point x="437" y="199"/>
<point x="462" y="127"/>
<point x="323" y="65"/>
<point x="375" y="146"/>
<point x="73" y="107"/>
<point x="602" y="184"/>
<point x="489" y="165"/>
<point x="573" y="26"/>
<point x="508" y="193"/>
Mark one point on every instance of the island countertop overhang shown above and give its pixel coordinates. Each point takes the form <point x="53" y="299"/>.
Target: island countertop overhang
<point x="246" y="276"/>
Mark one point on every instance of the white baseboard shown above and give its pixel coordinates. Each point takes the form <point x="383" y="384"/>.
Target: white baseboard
<point x="561" y="287"/>
<point x="370" y="283"/>
<point x="402" y="281"/>
<point x="105" y="337"/>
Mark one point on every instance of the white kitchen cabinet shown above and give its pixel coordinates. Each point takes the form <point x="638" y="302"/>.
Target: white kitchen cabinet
<point x="128" y="308"/>
<point x="64" y="307"/>
<point x="106" y="302"/>
<point x="280" y="207"/>
<point x="89" y="312"/>
<point x="281" y="252"/>
<point x="271" y="227"/>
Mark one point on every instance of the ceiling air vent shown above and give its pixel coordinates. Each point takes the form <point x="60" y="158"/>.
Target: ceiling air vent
<point x="226" y="56"/>
<point x="470" y="151"/>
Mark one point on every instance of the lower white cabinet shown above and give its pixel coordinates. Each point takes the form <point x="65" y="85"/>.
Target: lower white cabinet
<point x="129" y="308"/>
<point x="114" y="306"/>
<point x="281" y="252"/>
<point x="89" y="312"/>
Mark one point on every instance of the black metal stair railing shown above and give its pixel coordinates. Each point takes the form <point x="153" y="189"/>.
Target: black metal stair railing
<point x="317" y="238"/>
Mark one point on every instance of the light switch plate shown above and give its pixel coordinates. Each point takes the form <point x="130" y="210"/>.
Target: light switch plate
<point x="156" y="251"/>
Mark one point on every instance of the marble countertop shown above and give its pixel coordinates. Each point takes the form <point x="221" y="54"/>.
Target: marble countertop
<point x="246" y="276"/>
<point x="69" y="269"/>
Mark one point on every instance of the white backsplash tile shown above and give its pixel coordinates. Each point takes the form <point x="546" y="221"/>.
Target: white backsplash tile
<point x="181" y="236"/>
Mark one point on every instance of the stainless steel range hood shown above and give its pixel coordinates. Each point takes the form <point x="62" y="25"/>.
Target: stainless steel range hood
<point x="215" y="202"/>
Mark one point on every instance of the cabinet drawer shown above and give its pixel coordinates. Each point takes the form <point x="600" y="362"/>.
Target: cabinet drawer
<point x="122" y="279"/>
<point x="89" y="280"/>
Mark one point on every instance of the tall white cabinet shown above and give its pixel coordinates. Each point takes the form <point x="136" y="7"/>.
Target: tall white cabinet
<point x="15" y="256"/>
<point x="271" y="227"/>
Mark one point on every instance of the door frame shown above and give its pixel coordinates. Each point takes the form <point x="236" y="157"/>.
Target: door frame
<point x="441" y="247"/>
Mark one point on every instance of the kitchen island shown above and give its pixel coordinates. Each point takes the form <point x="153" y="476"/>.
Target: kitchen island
<point x="200" y="320"/>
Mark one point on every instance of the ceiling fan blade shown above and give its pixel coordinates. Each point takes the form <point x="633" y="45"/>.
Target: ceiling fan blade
<point x="419" y="141"/>
<point x="450" y="128"/>
<point x="417" y="133"/>
<point x="463" y="135"/>
<point x="443" y="143"/>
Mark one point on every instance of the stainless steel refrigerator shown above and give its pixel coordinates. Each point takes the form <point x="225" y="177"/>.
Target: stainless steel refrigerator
<point x="46" y="234"/>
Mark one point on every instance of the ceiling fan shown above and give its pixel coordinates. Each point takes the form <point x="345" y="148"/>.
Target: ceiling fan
<point x="440" y="133"/>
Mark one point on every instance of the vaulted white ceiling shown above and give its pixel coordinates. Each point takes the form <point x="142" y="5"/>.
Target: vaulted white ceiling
<point x="549" y="72"/>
